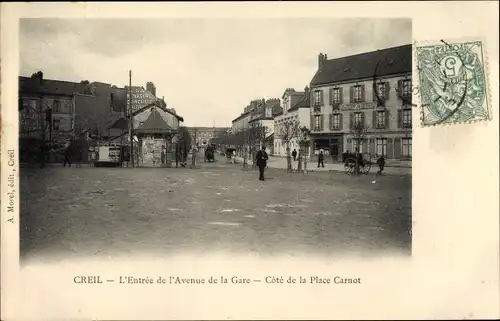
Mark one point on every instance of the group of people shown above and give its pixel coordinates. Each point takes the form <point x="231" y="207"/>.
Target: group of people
<point x="345" y="156"/>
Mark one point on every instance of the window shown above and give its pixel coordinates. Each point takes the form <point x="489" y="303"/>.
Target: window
<point x="406" y="152"/>
<point x="382" y="91"/>
<point x="407" y="118"/>
<point x="317" y="97"/>
<point x="55" y="124"/>
<point x="336" y="95"/>
<point x="357" y="93"/>
<point x="358" y="119"/>
<point x="406" y="88"/>
<point x="380" y="119"/>
<point x="317" y="122"/>
<point x="382" y="147"/>
<point x="336" y="121"/>
<point x="56" y="106"/>
<point x="357" y="143"/>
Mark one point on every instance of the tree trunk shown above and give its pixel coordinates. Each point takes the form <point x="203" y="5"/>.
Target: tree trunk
<point x="245" y="155"/>
<point x="299" y="162"/>
<point x="288" y="158"/>
<point x="305" y="159"/>
<point x="193" y="157"/>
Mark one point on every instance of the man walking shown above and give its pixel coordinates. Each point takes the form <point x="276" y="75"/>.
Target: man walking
<point x="294" y="154"/>
<point x="261" y="160"/>
<point x="321" y="159"/>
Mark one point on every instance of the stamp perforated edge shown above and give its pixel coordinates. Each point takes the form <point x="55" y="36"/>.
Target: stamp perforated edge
<point x="422" y="43"/>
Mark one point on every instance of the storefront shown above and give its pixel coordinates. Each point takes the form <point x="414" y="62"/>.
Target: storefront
<point x="330" y="144"/>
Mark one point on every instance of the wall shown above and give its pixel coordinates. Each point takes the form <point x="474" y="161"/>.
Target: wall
<point x="393" y="105"/>
<point x="34" y="112"/>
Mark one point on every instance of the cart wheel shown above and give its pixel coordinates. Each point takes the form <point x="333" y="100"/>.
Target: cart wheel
<point x="366" y="168"/>
<point x="349" y="166"/>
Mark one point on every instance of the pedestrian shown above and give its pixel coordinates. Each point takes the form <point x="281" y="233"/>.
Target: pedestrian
<point x="321" y="159"/>
<point x="294" y="154"/>
<point x="261" y="160"/>
<point x="67" y="155"/>
<point x="381" y="164"/>
<point x="162" y="155"/>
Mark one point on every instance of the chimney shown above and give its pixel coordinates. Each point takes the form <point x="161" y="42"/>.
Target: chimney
<point x="151" y="88"/>
<point x="306" y="89"/>
<point x="321" y="60"/>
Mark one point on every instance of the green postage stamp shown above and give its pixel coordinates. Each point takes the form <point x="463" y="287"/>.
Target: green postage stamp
<point x="452" y="82"/>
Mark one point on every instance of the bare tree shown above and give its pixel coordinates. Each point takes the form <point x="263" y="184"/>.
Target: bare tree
<point x="256" y="138"/>
<point x="287" y="130"/>
<point x="303" y="139"/>
<point x="358" y="131"/>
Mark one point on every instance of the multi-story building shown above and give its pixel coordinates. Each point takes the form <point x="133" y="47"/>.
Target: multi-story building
<point x="36" y="96"/>
<point x="363" y="101"/>
<point x="295" y="107"/>
<point x="203" y="136"/>
<point x="263" y="118"/>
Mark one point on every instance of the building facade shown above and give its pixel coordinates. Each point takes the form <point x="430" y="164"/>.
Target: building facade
<point x="295" y="107"/>
<point x="262" y="119"/>
<point x="363" y="102"/>
<point x="204" y="136"/>
<point x="36" y="96"/>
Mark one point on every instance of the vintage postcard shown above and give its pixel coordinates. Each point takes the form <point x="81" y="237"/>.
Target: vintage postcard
<point x="279" y="160"/>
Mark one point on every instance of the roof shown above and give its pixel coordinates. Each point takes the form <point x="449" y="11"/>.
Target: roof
<point x="395" y="60"/>
<point x="159" y="104"/>
<point x="243" y="115"/>
<point x="154" y="124"/>
<point x="305" y="102"/>
<point x="121" y="123"/>
<point x="50" y="86"/>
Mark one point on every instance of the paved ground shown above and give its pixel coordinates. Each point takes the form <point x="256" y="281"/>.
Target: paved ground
<point x="116" y="211"/>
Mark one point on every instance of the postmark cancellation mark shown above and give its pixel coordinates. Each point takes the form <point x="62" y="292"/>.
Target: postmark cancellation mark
<point x="452" y="80"/>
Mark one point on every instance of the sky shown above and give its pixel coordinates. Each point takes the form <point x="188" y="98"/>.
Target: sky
<point x="208" y="70"/>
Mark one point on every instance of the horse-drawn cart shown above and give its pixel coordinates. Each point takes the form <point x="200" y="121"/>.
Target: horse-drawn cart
<point x="230" y="155"/>
<point x="364" y="162"/>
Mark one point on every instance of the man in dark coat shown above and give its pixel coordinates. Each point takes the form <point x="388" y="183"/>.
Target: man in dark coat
<point x="261" y="160"/>
<point x="294" y="154"/>
<point x="321" y="159"/>
<point x="68" y="153"/>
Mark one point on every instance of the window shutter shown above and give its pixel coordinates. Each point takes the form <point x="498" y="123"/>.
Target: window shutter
<point x="351" y="93"/>
<point x="375" y="87"/>
<point x="341" y="95"/>
<point x="397" y="148"/>
<point x="331" y="122"/>
<point x="387" y="88"/>
<point x="400" y="88"/>
<point x="341" y="121"/>
<point x="363" y="119"/>
<point x="400" y="118"/>
<point x="387" y="119"/>
<point x="372" y="147"/>
<point x="351" y="120"/>
<point x="362" y="92"/>
<point x="312" y="122"/>
<point x="321" y="94"/>
<point x="374" y="120"/>
<point x="331" y="96"/>
<point x="390" y="149"/>
<point x="322" y="123"/>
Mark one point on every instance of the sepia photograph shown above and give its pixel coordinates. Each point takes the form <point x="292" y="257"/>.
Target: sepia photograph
<point x="262" y="136"/>
<point x="249" y="161"/>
